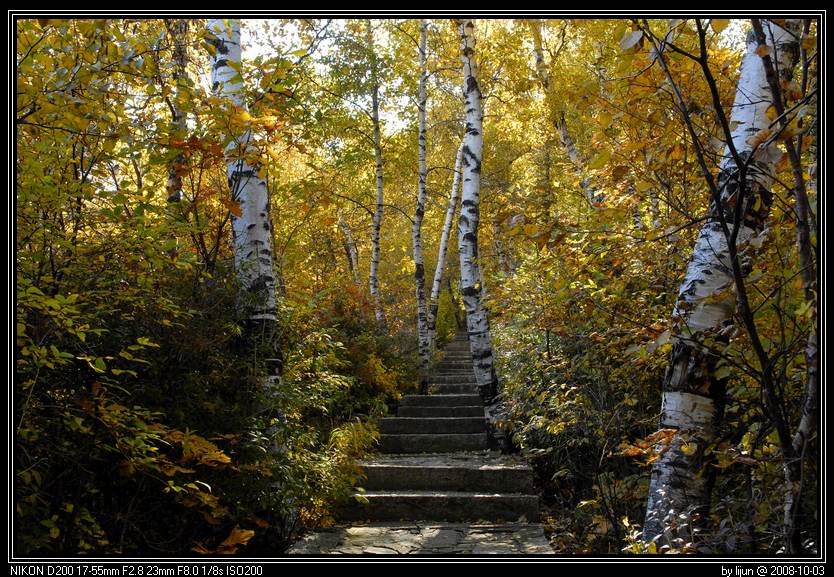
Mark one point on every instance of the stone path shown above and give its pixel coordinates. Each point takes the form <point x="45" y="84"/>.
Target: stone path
<point x="436" y="488"/>
<point x="426" y="538"/>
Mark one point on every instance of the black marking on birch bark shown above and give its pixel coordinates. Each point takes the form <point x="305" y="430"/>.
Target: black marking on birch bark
<point x="470" y="237"/>
<point x="220" y="63"/>
<point x="419" y="271"/>
<point x="470" y="291"/>
<point x="266" y="226"/>
<point x="243" y="173"/>
<point x="219" y="44"/>
<point x="250" y="226"/>
<point x="468" y="153"/>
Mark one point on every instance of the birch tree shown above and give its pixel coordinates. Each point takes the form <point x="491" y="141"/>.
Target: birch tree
<point x="251" y="226"/>
<point x="443" y="247"/>
<point x="350" y="247"/>
<point x="177" y="33"/>
<point x="477" y="322"/>
<point x="706" y="300"/>
<point x="591" y="194"/>
<point x="373" y="277"/>
<point x="423" y="338"/>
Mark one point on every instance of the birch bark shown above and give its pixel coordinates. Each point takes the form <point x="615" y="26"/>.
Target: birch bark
<point x="350" y="248"/>
<point x="424" y="352"/>
<point x="251" y="230"/>
<point x="706" y="298"/>
<point x="434" y="297"/>
<point x="373" y="276"/>
<point x="177" y="32"/>
<point x="470" y="275"/>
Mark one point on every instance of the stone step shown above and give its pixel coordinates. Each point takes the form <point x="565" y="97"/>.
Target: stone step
<point x="465" y="369"/>
<point x="442" y="506"/>
<point x="487" y="472"/>
<point x="440" y="400"/>
<point x="436" y="443"/>
<point x="473" y="411"/>
<point x="462" y="379"/>
<point x="453" y="389"/>
<point x="432" y="425"/>
<point x="436" y="538"/>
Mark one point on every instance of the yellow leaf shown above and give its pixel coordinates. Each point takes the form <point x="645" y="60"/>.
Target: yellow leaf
<point x="763" y="50"/>
<point x="719" y="24"/>
<point x="599" y="160"/>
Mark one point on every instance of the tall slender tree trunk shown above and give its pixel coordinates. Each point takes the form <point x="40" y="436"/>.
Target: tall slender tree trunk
<point x="373" y="277"/>
<point x="178" y="35"/>
<point x="544" y="79"/>
<point x="351" y="252"/>
<point x="423" y="339"/>
<point x="434" y="297"/>
<point x="706" y="300"/>
<point x="480" y="343"/>
<point x="593" y="196"/>
<point x="252" y="229"/>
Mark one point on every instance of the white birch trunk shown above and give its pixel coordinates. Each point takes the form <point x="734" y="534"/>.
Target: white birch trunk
<point x="538" y="51"/>
<point x="350" y="248"/>
<point x="420" y="210"/>
<point x="591" y="194"/>
<point x="470" y="275"/>
<point x="373" y="276"/>
<point x="434" y="297"/>
<point x="655" y="206"/>
<point x="177" y="32"/>
<point x="706" y="301"/>
<point x="252" y="230"/>
<point x="544" y="78"/>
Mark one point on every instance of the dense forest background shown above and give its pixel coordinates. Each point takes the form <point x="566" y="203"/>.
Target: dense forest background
<point x="141" y="420"/>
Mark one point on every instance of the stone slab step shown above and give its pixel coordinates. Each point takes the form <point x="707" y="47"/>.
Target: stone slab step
<point x="442" y="506"/>
<point x="479" y="472"/>
<point x="440" y="400"/>
<point x="453" y="379"/>
<point x="426" y="538"/>
<point x="432" y="443"/>
<point x="473" y="411"/>
<point x="432" y="425"/>
<point x="456" y="389"/>
<point x="466" y="370"/>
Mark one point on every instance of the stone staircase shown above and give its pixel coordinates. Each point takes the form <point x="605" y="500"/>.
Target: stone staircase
<point x="435" y="464"/>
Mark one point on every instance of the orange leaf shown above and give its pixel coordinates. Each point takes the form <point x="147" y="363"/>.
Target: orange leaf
<point x="232" y="206"/>
<point x="238" y="537"/>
